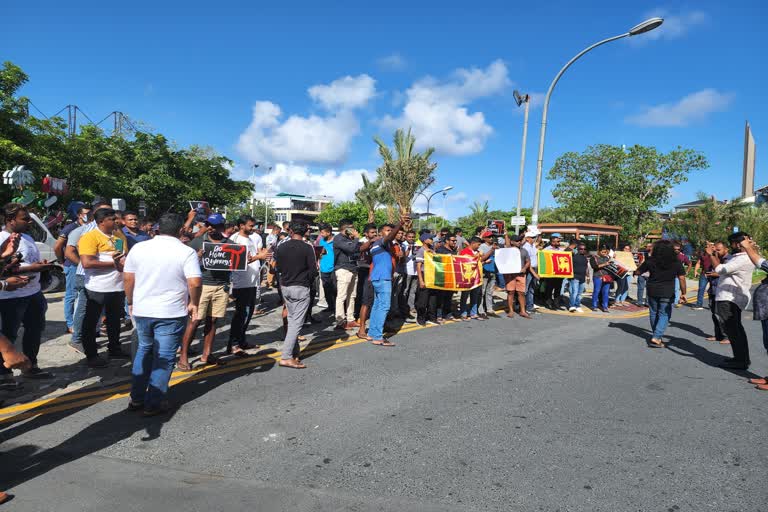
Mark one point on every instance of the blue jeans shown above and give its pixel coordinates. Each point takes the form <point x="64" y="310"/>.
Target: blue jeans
<point x="79" y="313"/>
<point x="159" y="339"/>
<point x="600" y="293"/>
<point x="677" y="291"/>
<point x="622" y="288"/>
<point x="382" y="296"/>
<point x="70" y="294"/>
<point x="641" y="282"/>
<point x="660" y="313"/>
<point x="470" y="301"/>
<point x="576" y="288"/>
<point x="530" y="282"/>
<point x="702" y="288"/>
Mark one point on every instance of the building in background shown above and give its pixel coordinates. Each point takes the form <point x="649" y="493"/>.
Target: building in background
<point x="296" y="207"/>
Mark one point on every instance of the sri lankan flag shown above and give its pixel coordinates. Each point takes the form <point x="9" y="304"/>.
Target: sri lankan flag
<point x="452" y="273"/>
<point x="555" y="264"/>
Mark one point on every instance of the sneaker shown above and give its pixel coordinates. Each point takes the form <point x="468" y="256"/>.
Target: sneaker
<point x="410" y="320"/>
<point x="36" y="373"/>
<point x="572" y="309"/>
<point x="698" y="308"/>
<point x="579" y="310"/>
<point x="97" y="362"/>
<point x="536" y="306"/>
<point x="422" y="323"/>
<point x="431" y="322"/>
<point x="595" y="310"/>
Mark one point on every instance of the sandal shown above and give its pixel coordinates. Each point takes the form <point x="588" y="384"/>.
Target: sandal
<point x="184" y="367"/>
<point x="383" y="343"/>
<point x="290" y="363"/>
<point x="654" y="343"/>
<point x="364" y="338"/>
<point x="213" y="361"/>
<point x="301" y="338"/>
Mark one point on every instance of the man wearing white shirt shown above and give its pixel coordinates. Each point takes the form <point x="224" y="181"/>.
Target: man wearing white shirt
<point x="162" y="286"/>
<point x="26" y="305"/>
<point x="245" y="286"/>
<point x="732" y="297"/>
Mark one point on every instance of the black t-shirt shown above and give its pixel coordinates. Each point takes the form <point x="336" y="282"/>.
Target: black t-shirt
<point x="211" y="277"/>
<point x="444" y="250"/>
<point x="580" y="263"/>
<point x="661" y="281"/>
<point x="296" y="263"/>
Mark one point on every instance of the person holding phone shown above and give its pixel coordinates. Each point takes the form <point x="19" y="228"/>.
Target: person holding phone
<point x="102" y="254"/>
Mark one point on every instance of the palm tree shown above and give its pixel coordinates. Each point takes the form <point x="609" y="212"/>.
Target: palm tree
<point x="406" y="172"/>
<point x="369" y="195"/>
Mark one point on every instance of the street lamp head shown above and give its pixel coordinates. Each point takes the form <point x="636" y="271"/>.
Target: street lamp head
<point x="446" y="189"/>
<point x="519" y="98"/>
<point x="646" y="26"/>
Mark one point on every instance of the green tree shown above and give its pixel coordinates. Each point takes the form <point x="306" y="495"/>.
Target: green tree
<point x="404" y="172"/>
<point x="606" y="184"/>
<point x="710" y="221"/>
<point x="369" y="195"/>
<point x="352" y="210"/>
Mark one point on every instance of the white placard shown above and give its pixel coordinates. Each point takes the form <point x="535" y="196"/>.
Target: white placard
<point x="517" y="221"/>
<point x="509" y="261"/>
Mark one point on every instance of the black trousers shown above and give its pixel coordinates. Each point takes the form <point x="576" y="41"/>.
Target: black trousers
<point x="730" y="320"/>
<point x="552" y="287"/>
<point x="112" y="303"/>
<point x="28" y="312"/>
<point x="426" y="305"/>
<point x="719" y="336"/>
<point x="328" y="279"/>
<point x="245" y="303"/>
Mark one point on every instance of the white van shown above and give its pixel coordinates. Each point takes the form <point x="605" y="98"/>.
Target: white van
<point x="45" y="243"/>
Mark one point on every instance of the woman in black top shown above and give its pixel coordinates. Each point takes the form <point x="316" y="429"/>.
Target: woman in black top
<point x="664" y="268"/>
<point x="601" y="279"/>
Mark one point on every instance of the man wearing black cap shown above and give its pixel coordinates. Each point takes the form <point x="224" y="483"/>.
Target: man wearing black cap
<point x="213" y="299"/>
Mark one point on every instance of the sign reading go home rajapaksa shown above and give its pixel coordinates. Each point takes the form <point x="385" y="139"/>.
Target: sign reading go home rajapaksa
<point x="224" y="256"/>
<point x="555" y="264"/>
<point x="452" y="273"/>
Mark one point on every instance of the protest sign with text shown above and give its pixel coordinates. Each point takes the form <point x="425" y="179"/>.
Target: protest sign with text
<point x="232" y="257"/>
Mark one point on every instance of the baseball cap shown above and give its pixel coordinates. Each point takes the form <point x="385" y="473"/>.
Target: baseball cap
<point x="486" y="234"/>
<point x="555" y="235"/>
<point x="215" y="219"/>
<point x="532" y="233"/>
<point x="426" y="236"/>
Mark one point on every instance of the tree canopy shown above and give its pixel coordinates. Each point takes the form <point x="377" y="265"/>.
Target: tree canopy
<point x="611" y="185"/>
<point x="143" y="166"/>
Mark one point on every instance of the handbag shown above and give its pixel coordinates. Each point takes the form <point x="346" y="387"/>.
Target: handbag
<point x="606" y="278"/>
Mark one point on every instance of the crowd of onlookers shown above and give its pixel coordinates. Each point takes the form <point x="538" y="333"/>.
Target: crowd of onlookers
<point x="123" y="272"/>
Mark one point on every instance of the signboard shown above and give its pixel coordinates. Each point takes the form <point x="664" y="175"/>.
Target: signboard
<point x="626" y="259"/>
<point x="497" y="227"/>
<point x="517" y="221"/>
<point x="198" y="204"/>
<point x="509" y="261"/>
<point x="616" y="270"/>
<point x="225" y="257"/>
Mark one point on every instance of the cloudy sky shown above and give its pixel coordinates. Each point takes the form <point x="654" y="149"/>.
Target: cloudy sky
<point x="302" y="87"/>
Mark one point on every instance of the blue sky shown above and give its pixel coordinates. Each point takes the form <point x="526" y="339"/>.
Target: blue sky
<point x="303" y="86"/>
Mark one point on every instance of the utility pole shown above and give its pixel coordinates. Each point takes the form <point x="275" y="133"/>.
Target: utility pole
<point x="520" y="100"/>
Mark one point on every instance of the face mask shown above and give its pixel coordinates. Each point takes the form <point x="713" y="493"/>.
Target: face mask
<point x="84" y="217"/>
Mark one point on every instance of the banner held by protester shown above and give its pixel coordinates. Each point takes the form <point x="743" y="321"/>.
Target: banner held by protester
<point x="452" y="273"/>
<point x="231" y="257"/>
<point x="556" y="264"/>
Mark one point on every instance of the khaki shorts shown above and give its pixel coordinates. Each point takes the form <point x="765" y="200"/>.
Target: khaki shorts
<point x="213" y="302"/>
<point x="514" y="282"/>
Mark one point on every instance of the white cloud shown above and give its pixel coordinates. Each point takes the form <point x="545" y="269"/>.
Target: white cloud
<point x="674" y="26"/>
<point x="344" y="93"/>
<point x="393" y="62"/>
<point x="298" y="179"/>
<point x="437" y="111"/>
<point x="312" y="139"/>
<point x="691" y="108"/>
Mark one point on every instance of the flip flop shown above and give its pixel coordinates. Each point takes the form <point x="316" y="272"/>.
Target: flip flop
<point x="383" y="343"/>
<point x="287" y="363"/>
<point x="184" y="367"/>
<point x="655" y="343"/>
<point x="364" y="338"/>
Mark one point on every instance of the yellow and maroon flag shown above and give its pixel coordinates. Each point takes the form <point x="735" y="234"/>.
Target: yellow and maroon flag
<point x="452" y="273"/>
<point x="555" y="264"/>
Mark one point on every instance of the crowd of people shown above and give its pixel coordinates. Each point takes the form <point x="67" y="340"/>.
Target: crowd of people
<point x="123" y="272"/>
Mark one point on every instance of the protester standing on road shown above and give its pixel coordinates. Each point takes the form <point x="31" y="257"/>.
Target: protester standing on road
<point x="70" y="269"/>
<point x="445" y="297"/>
<point x="759" y="302"/>
<point x="408" y="291"/>
<point x="532" y="279"/>
<point x="131" y="230"/>
<point x="426" y="298"/>
<point x="601" y="279"/>
<point x="346" y="250"/>
<point x="213" y="298"/>
<point x="382" y="268"/>
<point x="514" y="284"/>
<point x="553" y="285"/>
<point x="686" y="262"/>
<point x="733" y="295"/>
<point x="365" y="293"/>
<point x="296" y="268"/>
<point x="102" y="253"/>
<point x="470" y="299"/>
<point x="700" y="271"/>
<point x="578" y="282"/>
<point x="642" y="279"/>
<point x="162" y="288"/>
<point x="622" y="285"/>
<point x="488" y="258"/>
<point x="723" y="255"/>
<point x="327" y="278"/>
<point x="664" y="269"/>
<point x="244" y="287"/>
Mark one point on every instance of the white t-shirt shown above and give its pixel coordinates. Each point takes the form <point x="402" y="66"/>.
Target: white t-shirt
<point x="410" y="260"/>
<point x="161" y="267"/>
<point x="28" y="249"/>
<point x="250" y="277"/>
<point x="257" y="241"/>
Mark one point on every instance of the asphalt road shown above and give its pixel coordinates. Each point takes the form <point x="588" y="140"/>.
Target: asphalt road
<point x="552" y="414"/>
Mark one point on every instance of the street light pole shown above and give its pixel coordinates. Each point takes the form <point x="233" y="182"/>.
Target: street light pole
<point x="642" y="28"/>
<point x="444" y="191"/>
<point x="253" y="181"/>
<point x="520" y="100"/>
